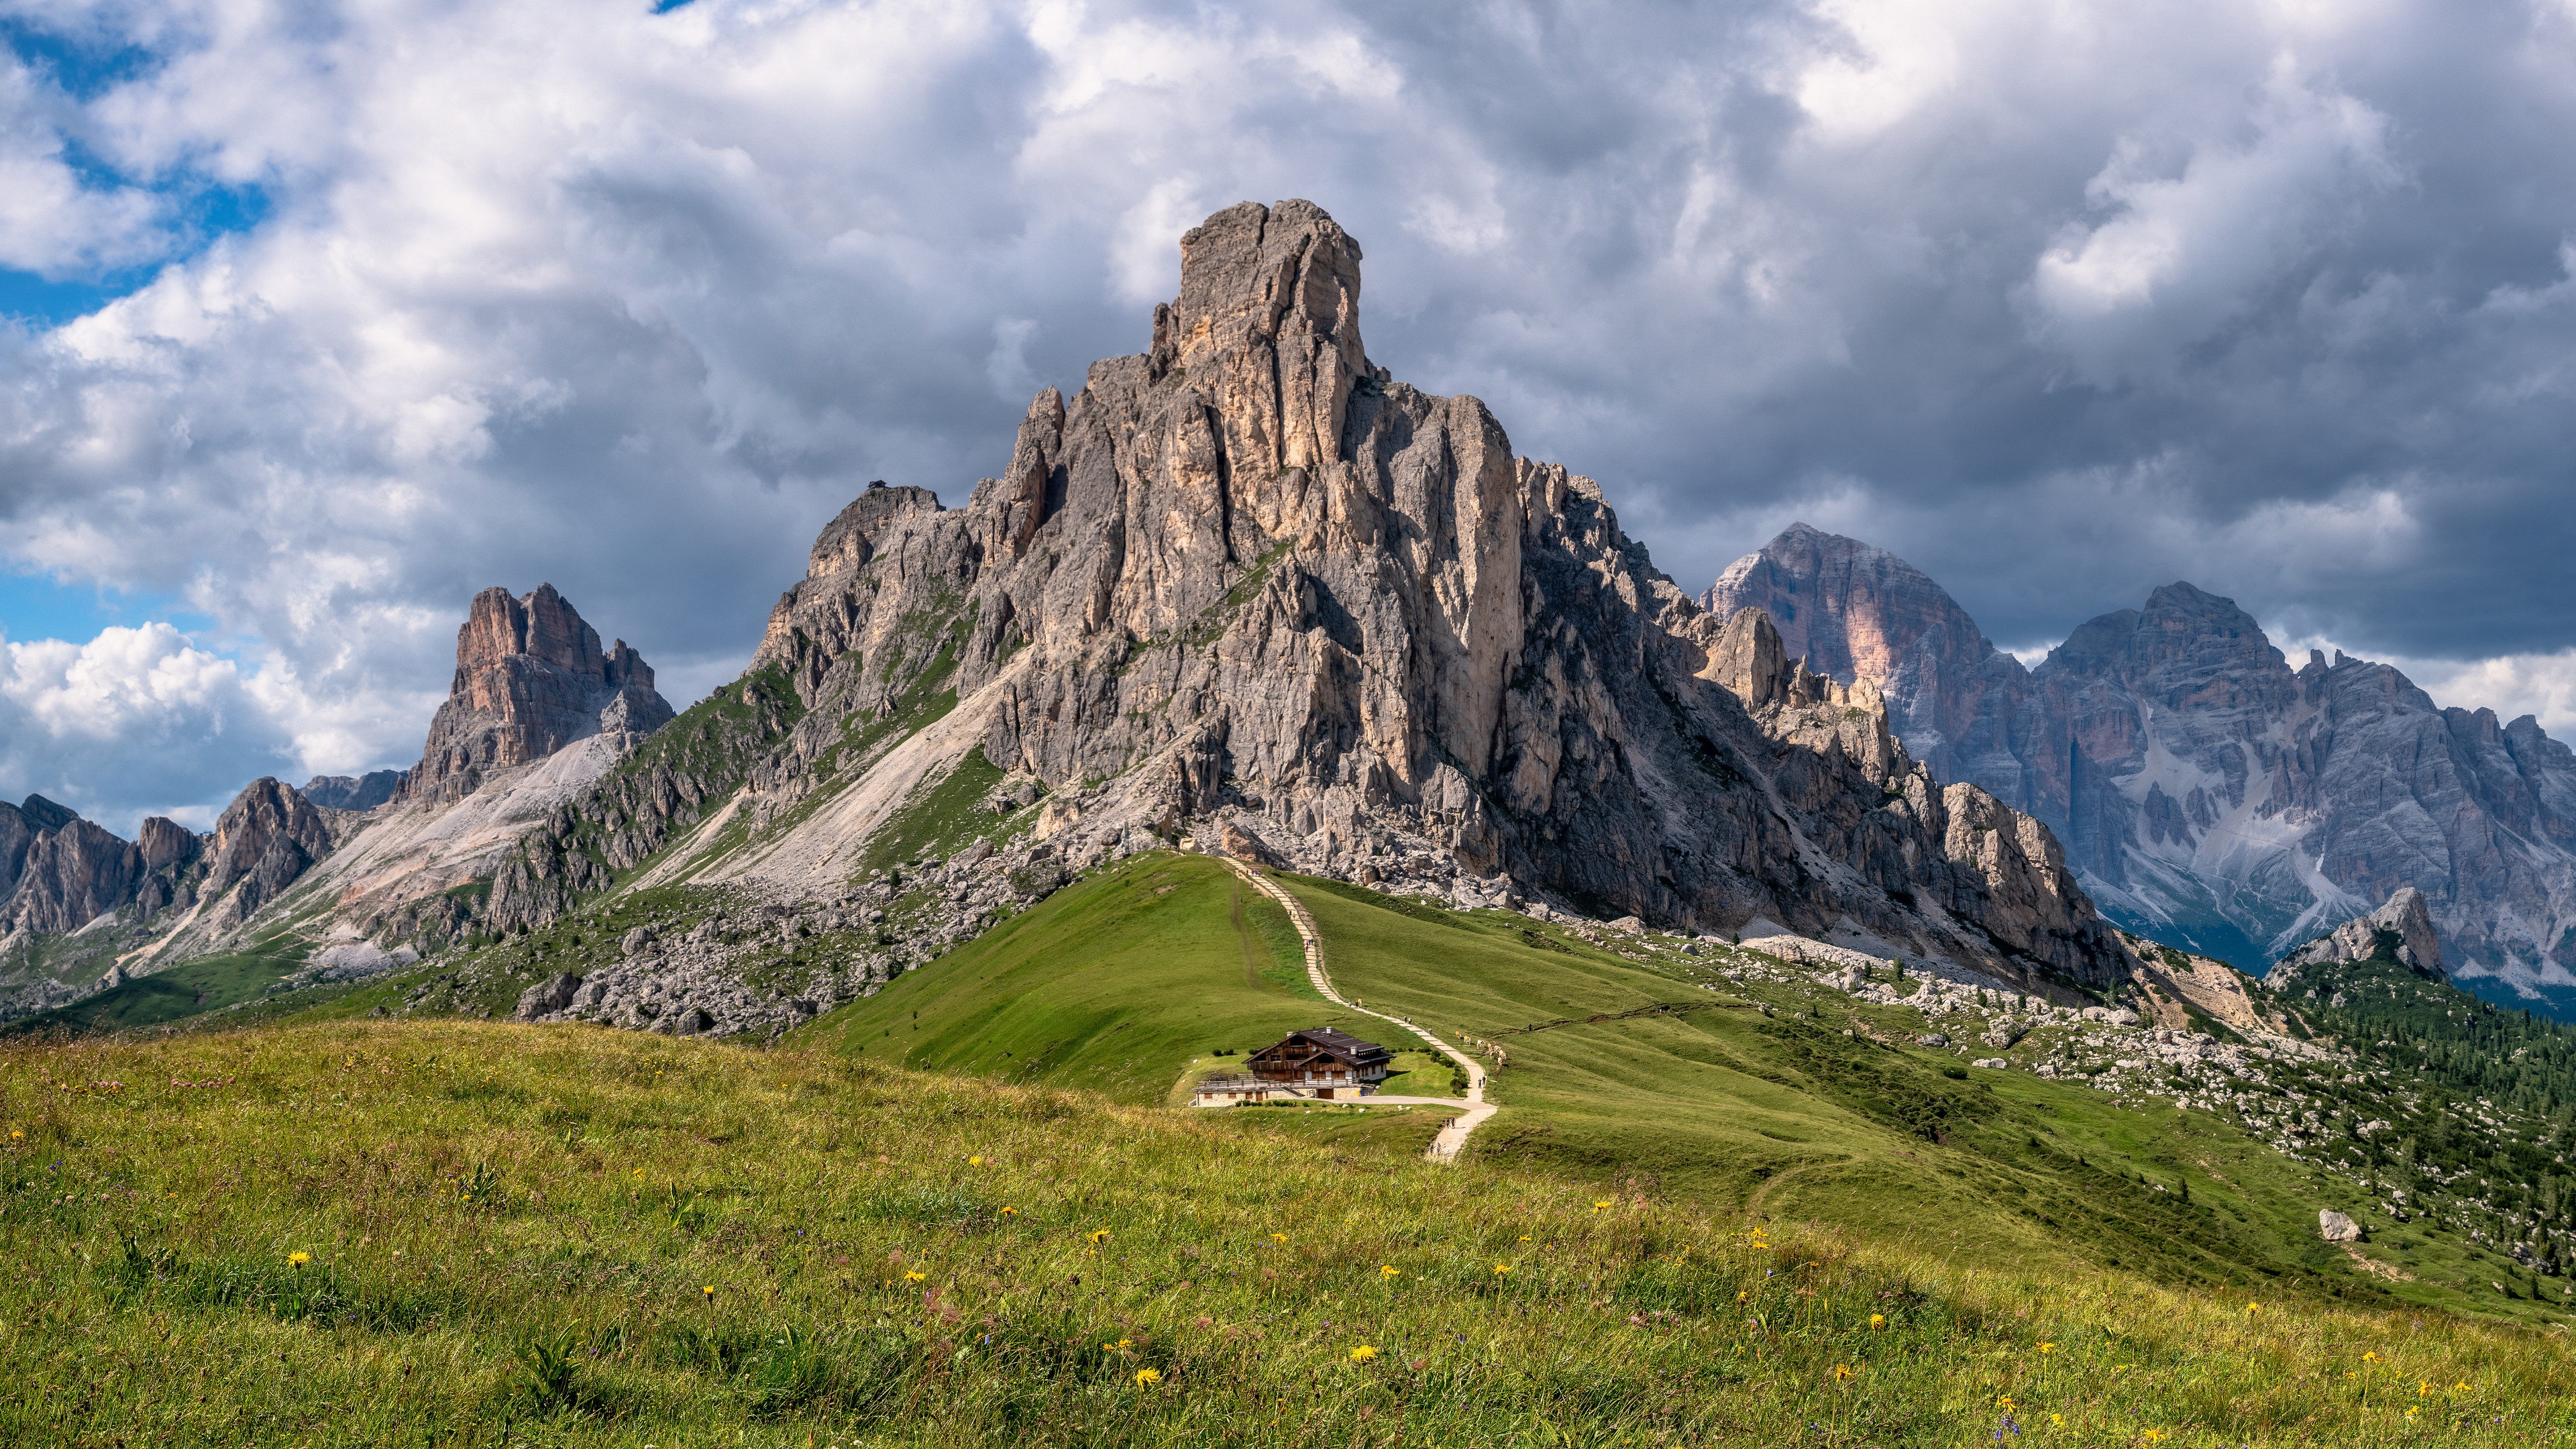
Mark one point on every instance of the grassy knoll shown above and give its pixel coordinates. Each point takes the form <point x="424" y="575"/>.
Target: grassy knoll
<point x="1116" y="985"/>
<point x="460" y="1233"/>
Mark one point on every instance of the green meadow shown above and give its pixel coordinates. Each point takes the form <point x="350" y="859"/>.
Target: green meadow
<point x="1711" y="1212"/>
<point x="1796" y="1104"/>
<point x="459" y="1233"/>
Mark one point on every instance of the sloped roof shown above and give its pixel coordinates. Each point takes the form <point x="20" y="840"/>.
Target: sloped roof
<point x="1335" y="1043"/>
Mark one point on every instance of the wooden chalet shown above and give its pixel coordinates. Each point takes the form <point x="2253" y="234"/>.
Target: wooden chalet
<point x="1317" y="1063"/>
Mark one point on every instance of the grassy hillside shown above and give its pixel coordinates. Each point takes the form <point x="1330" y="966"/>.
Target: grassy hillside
<point x="1626" y="1069"/>
<point x="455" y="1233"/>
<point x="1803" y="1105"/>
<point x="1120" y="985"/>
<point x="191" y="988"/>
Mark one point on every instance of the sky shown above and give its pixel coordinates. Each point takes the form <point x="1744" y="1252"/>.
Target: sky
<point x="319" y="318"/>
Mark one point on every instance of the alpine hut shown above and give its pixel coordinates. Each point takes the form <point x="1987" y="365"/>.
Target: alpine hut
<point x="1316" y="1063"/>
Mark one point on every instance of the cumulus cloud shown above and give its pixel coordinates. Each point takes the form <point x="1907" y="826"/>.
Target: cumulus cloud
<point x="126" y="723"/>
<point x="2180" y="255"/>
<point x="2061" y="300"/>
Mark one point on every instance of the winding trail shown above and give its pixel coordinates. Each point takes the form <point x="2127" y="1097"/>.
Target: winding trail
<point x="1475" y="1109"/>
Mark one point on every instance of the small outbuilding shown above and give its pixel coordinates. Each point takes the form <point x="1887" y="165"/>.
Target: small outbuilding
<point x="1319" y="1063"/>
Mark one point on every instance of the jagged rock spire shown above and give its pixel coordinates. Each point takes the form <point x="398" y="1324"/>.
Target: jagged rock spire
<point x="531" y="678"/>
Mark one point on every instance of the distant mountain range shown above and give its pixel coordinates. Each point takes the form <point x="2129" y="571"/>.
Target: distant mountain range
<point x="537" y="709"/>
<point x="2209" y="795"/>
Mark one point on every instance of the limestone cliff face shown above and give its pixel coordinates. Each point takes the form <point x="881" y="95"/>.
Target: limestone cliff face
<point x="267" y="837"/>
<point x="73" y="874"/>
<point x="1247" y="586"/>
<point x="531" y="678"/>
<point x="65" y="872"/>
<point x="2207" y="792"/>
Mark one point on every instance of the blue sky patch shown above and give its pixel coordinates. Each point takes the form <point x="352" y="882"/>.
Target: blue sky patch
<point x="86" y="67"/>
<point x="33" y="606"/>
<point x="196" y="210"/>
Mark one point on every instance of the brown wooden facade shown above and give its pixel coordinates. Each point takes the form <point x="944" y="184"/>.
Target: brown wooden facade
<point x="1317" y="1063"/>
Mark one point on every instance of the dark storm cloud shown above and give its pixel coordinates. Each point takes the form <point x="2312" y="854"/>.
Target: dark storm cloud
<point x="2059" y="301"/>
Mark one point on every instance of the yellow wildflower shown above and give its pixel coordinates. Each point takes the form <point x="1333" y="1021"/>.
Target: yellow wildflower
<point x="1842" y="1371"/>
<point x="1099" y="1233"/>
<point x="2048" y="1348"/>
<point x="914" y="1277"/>
<point x="710" y="1291"/>
<point x="2371" y="1357"/>
<point x="1125" y="1343"/>
<point x="2411" y="1410"/>
<point x="1147" y="1378"/>
<point x="1010" y="1212"/>
<point x="17" y="1136"/>
<point x="2253" y="1307"/>
<point x="639" y="1173"/>
<point x="2460" y="1388"/>
<point x="1389" y="1270"/>
<point x="1502" y="1267"/>
<point x="2004" y="1402"/>
<point x="1876" y="1320"/>
<point x="298" y="1260"/>
<point x="1363" y="1354"/>
<point x="974" y="1162"/>
<point x="1603" y="1206"/>
<point x="2057" y="1421"/>
<point x="1278" y="1237"/>
<point x="2153" y="1436"/>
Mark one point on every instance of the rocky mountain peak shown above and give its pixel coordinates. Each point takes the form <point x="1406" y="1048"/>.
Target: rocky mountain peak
<point x="531" y="678"/>
<point x="44" y="814"/>
<point x="72" y="874"/>
<point x="2183" y="643"/>
<point x="2406" y="915"/>
<point x="1856" y="613"/>
<point x="1851" y="610"/>
<point x="1248" y="591"/>
<point x="263" y="841"/>
<point x="166" y="843"/>
<point x="353" y="792"/>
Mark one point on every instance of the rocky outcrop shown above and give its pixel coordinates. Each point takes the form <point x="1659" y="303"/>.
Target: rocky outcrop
<point x="66" y="872"/>
<point x="73" y="874"/>
<point x="355" y="792"/>
<point x="266" y="839"/>
<point x="43" y="814"/>
<point x="2402" y="927"/>
<point x="531" y="678"/>
<point x="2207" y="793"/>
<point x="1246" y="586"/>
<point x="173" y="863"/>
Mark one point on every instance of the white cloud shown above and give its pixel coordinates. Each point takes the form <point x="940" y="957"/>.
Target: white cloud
<point x="2185" y="250"/>
<point x="120" y="726"/>
<point x="2542" y="685"/>
<point x="51" y="221"/>
<point x="2060" y="298"/>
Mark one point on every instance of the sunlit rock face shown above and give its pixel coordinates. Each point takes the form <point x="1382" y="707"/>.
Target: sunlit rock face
<point x="1246" y="585"/>
<point x="531" y="678"/>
